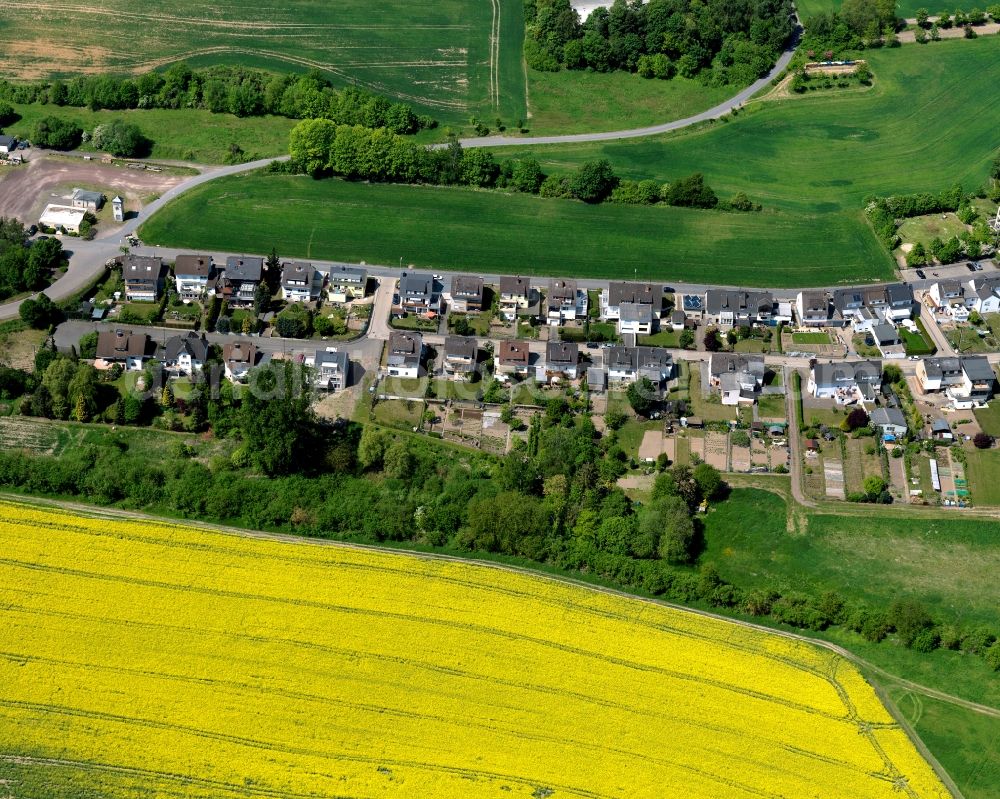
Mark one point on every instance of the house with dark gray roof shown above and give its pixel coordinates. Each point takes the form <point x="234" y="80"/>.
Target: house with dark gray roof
<point x="460" y="355"/>
<point x="565" y="302"/>
<point x="331" y="369"/>
<point x="467" y="293"/>
<point x="346" y="283"/>
<point x="619" y="292"/>
<point x="847" y="382"/>
<point x="562" y="358"/>
<point x="893" y="303"/>
<point x="737" y="376"/>
<point x="239" y="358"/>
<point x="144" y="277"/>
<point x="891" y="423"/>
<point x="87" y="200"/>
<point x="737" y="308"/>
<point x="406" y="351"/>
<point x="813" y="308"/>
<point x="240" y="279"/>
<point x="185" y="354"/>
<point x="518" y="298"/>
<point x="418" y="293"/>
<point x="968" y="382"/>
<point x="637" y="318"/>
<point x="8" y="144"/>
<point x="192" y="275"/>
<point x="300" y="281"/>
<point x="627" y="364"/>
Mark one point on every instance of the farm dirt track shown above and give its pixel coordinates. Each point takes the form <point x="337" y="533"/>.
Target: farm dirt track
<point x="395" y="642"/>
<point x="24" y="188"/>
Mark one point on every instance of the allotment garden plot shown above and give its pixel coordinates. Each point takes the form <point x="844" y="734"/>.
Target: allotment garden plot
<point x="451" y="56"/>
<point x="202" y="663"/>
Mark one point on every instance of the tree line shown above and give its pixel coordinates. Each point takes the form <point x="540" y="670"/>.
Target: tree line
<point x="553" y="500"/>
<point x="235" y="90"/>
<point x="720" y="41"/>
<point x="25" y="268"/>
<point x="320" y="148"/>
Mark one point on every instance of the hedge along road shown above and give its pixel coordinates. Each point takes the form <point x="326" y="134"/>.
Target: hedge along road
<point x="89" y="257"/>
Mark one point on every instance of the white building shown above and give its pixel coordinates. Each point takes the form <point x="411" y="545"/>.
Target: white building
<point x="62" y="218"/>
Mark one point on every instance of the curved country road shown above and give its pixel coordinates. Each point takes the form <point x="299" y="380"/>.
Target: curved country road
<point x="720" y="110"/>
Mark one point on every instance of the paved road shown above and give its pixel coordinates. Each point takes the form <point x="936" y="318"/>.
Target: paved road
<point x="634" y="133"/>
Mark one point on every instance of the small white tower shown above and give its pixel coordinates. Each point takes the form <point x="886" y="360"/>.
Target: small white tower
<point x="118" y="208"/>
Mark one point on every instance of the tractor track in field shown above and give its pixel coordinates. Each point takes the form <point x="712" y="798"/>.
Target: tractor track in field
<point x="96" y="511"/>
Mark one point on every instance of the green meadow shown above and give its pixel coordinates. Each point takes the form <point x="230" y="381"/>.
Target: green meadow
<point x="483" y="231"/>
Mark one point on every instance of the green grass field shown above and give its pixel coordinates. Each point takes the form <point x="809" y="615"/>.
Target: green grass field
<point x="820" y="156"/>
<point x="983" y="471"/>
<point x="905" y="8"/>
<point x="450" y="58"/>
<point x="452" y="228"/>
<point x="184" y="134"/>
<point x="577" y="101"/>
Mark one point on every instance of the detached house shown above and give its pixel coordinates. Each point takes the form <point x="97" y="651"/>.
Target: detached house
<point x="949" y="298"/>
<point x="418" y="294"/>
<point x="565" y="302"/>
<point x="331" y="369"/>
<point x="862" y="307"/>
<point x="466" y="294"/>
<point x="518" y="298"/>
<point x="513" y="359"/>
<point x="968" y="382"/>
<point x="737" y="376"/>
<point x="239" y="357"/>
<point x="346" y="283"/>
<point x="728" y="308"/>
<point x="846" y="382"/>
<point x="192" y="275"/>
<point x="123" y="347"/>
<point x="813" y="308"/>
<point x="637" y="318"/>
<point x="628" y="364"/>
<point x="619" y="292"/>
<point x="406" y="351"/>
<point x="185" y="354"/>
<point x="983" y="296"/>
<point x="459" y="355"/>
<point x="562" y="358"/>
<point x="890" y="422"/>
<point x="144" y="277"/>
<point x="241" y="279"/>
<point x="300" y="282"/>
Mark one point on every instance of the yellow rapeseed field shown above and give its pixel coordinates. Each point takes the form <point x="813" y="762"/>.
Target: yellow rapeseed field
<point x="142" y="659"/>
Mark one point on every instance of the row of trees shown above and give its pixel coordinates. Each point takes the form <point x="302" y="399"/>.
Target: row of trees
<point x="727" y="41"/>
<point x="25" y="268"/>
<point x="118" y="137"/>
<point x="224" y="89"/>
<point x="318" y="147"/>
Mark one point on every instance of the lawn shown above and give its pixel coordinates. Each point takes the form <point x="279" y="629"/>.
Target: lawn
<point x="445" y="228"/>
<point x="905" y="8"/>
<point x="947" y="563"/>
<point x="662" y="338"/>
<point x="989" y="418"/>
<point x="578" y="101"/>
<point x="402" y="414"/>
<point x="930" y="226"/>
<point x="772" y="406"/>
<point x="440" y="56"/>
<point x="965" y="339"/>
<point x="810" y="338"/>
<point x="414" y="322"/>
<point x="983" y="468"/>
<point x="182" y="134"/>
<point x="710" y="408"/>
<point x="917" y="343"/>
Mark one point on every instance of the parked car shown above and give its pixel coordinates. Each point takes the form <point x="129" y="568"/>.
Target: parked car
<point x="970" y="266"/>
<point x="921" y="274"/>
<point x="977" y="266"/>
<point x="32" y="230"/>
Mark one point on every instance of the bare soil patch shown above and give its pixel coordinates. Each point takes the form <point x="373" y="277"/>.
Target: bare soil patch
<point x="24" y="189"/>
